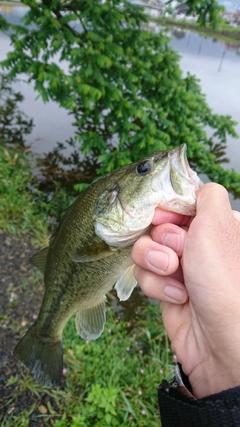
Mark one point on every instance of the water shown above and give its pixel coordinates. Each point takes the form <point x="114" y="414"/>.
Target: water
<point x="215" y="63"/>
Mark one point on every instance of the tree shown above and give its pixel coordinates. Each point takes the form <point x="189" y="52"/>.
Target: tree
<point x="122" y="83"/>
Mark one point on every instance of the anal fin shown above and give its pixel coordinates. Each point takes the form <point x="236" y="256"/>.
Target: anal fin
<point x="126" y="283"/>
<point x="90" y="322"/>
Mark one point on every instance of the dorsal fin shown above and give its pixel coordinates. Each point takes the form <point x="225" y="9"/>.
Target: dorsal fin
<point x="39" y="259"/>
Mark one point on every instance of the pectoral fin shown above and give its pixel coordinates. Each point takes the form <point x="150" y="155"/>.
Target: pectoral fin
<point x="126" y="283"/>
<point x="90" y="323"/>
<point x="93" y="253"/>
<point x="39" y="259"/>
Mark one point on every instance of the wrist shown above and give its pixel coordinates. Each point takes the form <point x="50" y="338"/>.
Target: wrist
<point x="214" y="376"/>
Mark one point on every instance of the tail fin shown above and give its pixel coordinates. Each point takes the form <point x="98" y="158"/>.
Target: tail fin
<point x="43" y="357"/>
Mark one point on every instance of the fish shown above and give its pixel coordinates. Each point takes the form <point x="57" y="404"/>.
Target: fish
<point x="90" y="252"/>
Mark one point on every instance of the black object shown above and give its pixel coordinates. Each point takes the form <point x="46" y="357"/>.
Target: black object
<point x="179" y="408"/>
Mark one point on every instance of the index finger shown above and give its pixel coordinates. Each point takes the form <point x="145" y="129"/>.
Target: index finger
<point x="161" y="217"/>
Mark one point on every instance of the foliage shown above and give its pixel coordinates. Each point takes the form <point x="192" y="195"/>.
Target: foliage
<point x="109" y="382"/>
<point x="4" y="26"/>
<point x="14" y="125"/>
<point x="122" y="83"/>
<point x="206" y="11"/>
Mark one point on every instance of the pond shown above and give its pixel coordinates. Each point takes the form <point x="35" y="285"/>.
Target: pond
<point x="215" y="63"/>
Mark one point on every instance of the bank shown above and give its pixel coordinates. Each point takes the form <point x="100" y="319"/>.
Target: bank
<point x="225" y="32"/>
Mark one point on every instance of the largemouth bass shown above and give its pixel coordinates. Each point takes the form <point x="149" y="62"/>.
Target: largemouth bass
<point x="90" y="252"/>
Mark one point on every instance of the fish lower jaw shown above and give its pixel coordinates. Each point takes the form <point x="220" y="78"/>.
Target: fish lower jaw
<point x="182" y="207"/>
<point x="121" y="237"/>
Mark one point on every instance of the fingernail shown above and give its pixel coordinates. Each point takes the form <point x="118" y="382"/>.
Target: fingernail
<point x="172" y="241"/>
<point x="158" y="259"/>
<point x="176" y="294"/>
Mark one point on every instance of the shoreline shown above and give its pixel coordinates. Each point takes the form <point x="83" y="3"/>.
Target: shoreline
<point x="230" y="35"/>
<point x="12" y="3"/>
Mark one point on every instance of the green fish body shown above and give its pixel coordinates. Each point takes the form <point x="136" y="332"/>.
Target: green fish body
<point x="90" y="252"/>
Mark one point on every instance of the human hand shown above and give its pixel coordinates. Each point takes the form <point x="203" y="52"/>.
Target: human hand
<point x="199" y="258"/>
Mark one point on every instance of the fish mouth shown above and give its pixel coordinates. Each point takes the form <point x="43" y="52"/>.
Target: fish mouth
<point x="176" y="183"/>
<point x="181" y="174"/>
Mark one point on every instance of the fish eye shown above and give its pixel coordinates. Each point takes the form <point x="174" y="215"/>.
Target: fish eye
<point x="144" y="167"/>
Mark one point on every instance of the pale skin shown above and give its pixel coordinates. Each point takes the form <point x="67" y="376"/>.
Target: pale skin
<point x="192" y="266"/>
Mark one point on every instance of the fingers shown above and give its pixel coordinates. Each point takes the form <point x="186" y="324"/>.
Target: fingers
<point x="153" y="257"/>
<point x="170" y="235"/>
<point x="162" y="288"/>
<point x="158" y="271"/>
<point x="162" y="217"/>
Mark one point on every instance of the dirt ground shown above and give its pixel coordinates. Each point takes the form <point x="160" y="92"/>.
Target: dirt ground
<point x="19" y="304"/>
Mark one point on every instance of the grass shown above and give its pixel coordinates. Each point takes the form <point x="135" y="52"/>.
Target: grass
<point x="23" y="208"/>
<point x="112" y="381"/>
<point x="18" y="210"/>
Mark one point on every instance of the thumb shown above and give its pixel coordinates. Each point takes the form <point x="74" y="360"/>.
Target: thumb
<point x="214" y="235"/>
<point x="214" y="212"/>
<point x="214" y="199"/>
